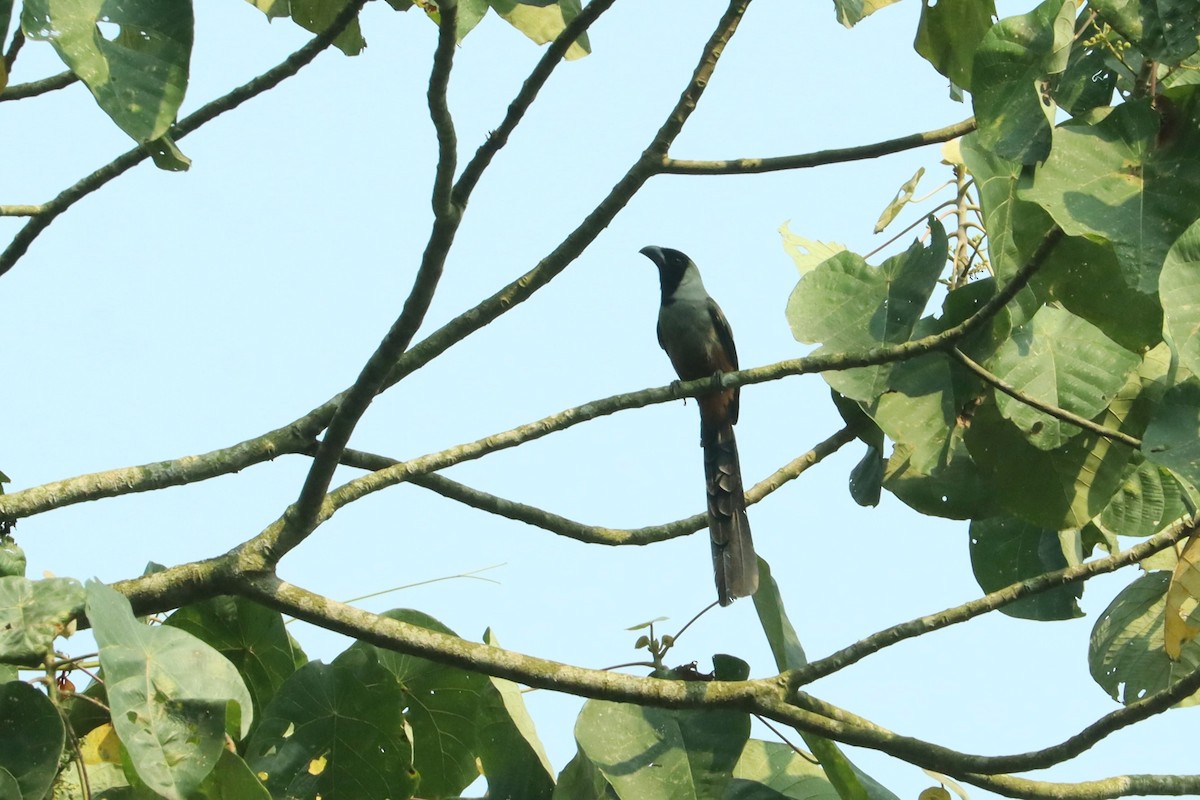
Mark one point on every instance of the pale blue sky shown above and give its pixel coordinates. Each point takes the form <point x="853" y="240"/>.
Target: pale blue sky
<point x="174" y="314"/>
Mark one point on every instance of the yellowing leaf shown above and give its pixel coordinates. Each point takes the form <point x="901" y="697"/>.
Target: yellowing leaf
<point x="101" y="746"/>
<point x="807" y="253"/>
<point x="1183" y="596"/>
<point x="903" y="195"/>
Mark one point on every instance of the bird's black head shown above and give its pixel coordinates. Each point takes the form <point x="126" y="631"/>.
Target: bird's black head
<point x="671" y="266"/>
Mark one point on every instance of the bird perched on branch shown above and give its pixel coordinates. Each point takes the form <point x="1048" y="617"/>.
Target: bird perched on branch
<point x="697" y="338"/>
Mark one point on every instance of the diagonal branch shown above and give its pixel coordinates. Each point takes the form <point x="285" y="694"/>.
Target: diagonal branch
<point x="887" y="637"/>
<point x="750" y="166"/>
<point x="126" y="161"/>
<point x="1059" y="413"/>
<point x="595" y="534"/>
<point x="585" y="233"/>
<point x="529" y="91"/>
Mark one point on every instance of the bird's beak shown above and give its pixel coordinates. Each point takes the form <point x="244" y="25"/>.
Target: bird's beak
<point x="655" y="254"/>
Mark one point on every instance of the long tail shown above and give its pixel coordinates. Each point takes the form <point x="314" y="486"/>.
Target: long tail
<point x="734" y="563"/>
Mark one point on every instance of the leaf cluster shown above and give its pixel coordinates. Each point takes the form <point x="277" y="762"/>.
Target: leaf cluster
<point x="1070" y="418"/>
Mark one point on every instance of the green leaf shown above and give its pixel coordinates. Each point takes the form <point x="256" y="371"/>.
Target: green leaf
<point x="1064" y="361"/>
<point x="543" y="20"/>
<point x="442" y="704"/>
<point x="468" y="15"/>
<point x="1014" y="226"/>
<point x="315" y="16"/>
<point x="1164" y="30"/>
<point x="1148" y="500"/>
<point x="1179" y="289"/>
<point x="807" y="253"/>
<point x="33" y="614"/>
<point x="781" y="636"/>
<point x="1172" y="438"/>
<point x="581" y="780"/>
<point x="852" y="12"/>
<point x="1061" y="488"/>
<point x="866" y="478"/>
<point x="848" y="305"/>
<point x="953" y="487"/>
<point x="12" y="558"/>
<point x="252" y="637"/>
<point x="169" y="694"/>
<point x="921" y="410"/>
<point x="1131" y="179"/>
<point x="167" y="155"/>
<point x="32" y="735"/>
<point x="949" y="34"/>
<point x="132" y="56"/>
<point x="789" y="654"/>
<point x="231" y="779"/>
<point x="652" y="753"/>
<point x="1010" y="80"/>
<point x="514" y="761"/>
<point x="1088" y="81"/>
<point x="1085" y="278"/>
<point x="1126" y="655"/>
<point x="775" y="771"/>
<point x="1005" y="551"/>
<point x="336" y="730"/>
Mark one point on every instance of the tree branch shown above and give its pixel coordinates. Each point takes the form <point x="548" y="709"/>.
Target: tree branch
<point x="887" y="637"/>
<point x="529" y="91"/>
<point x="126" y="161"/>
<point x="1045" y="408"/>
<point x="750" y="166"/>
<point x="602" y="215"/>
<point x="301" y="517"/>
<point x="596" y="534"/>
<point x="19" y="91"/>
<point x="1104" y="789"/>
<point x="295" y="438"/>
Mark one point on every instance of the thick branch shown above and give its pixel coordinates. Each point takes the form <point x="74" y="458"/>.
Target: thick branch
<point x="122" y="163"/>
<point x="1104" y="789"/>
<point x="1045" y="408"/>
<point x="746" y="166"/>
<point x="295" y="438"/>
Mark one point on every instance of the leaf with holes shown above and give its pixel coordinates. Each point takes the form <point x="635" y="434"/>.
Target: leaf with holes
<point x="133" y="57"/>
<point x="169" y="693"/>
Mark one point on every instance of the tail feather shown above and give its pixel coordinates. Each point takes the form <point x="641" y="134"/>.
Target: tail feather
<point x="734" y="564"/>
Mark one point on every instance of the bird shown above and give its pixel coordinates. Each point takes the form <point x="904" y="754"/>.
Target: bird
<point x="696" y="336"/>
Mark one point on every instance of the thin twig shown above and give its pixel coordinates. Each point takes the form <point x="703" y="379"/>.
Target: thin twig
<point x="525" y="97"/>
<point x="20" y="91"/>
<point x="839" y="155"/>
<point x="1045" y="408"/>
<point x="126" y="161"/>
<point x="596" y="534"/>
<point x="989" y="602"/>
